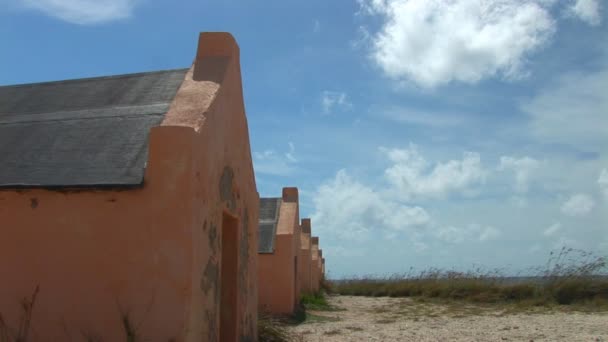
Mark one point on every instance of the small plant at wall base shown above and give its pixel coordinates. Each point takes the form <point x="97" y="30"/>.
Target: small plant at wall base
<point x="315" y="301"/>
<point x="22" y="333"/>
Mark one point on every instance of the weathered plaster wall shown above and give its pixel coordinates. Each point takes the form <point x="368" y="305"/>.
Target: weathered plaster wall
<point x="152" y="254"/>
<point x="304" y="257"/>
<point x="323" y="268"/>
<point x="314" y="267"/>
<point x="222" y="141"/>
<point x="320" y="266"/>
<point x="278" y="282"/>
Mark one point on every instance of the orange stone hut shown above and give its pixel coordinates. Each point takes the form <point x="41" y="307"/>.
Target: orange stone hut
<point x="130" y="201"/>
<point x="278" y="251"/>
<point x="315" y="275"/>
<point x="304" y="258"/>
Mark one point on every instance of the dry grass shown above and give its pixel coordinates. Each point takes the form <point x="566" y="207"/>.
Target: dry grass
<point x="333" y="332"/>
<point x="570" y="277"/>
<point x="271" y="329"/>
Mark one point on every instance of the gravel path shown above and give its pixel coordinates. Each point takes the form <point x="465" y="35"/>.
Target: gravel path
<point x="399" y="319"/>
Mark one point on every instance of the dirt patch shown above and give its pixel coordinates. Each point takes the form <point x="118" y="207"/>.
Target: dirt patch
<point x="403" y="319"/>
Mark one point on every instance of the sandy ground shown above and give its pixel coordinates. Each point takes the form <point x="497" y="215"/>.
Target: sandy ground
<point x="401" y="319"/>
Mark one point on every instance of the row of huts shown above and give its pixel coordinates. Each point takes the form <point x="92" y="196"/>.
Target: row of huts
<point x="290" y="262"/>
<point x="129" y="210"/>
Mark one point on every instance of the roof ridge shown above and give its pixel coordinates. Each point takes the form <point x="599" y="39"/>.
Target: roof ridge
<point x="84" y="79"/>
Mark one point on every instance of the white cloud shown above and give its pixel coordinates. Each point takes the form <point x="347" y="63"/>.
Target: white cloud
<point x="272" y="163"/>
<point x="578" y="205"/>
<point x="572" y="110"/>
<point x="414" y="177"/>
<point x="519" y="201"/>
<point x="603" y="182"/>
<point x="522" y="167"/>
<point x="362" y="39"/>
<point x="586" y="10"/>
<point x="422" y="118"/>
<point x="567" y="242"/>
<point x="432" y="42"/>
<point x="420" y="247"/>
<point x="84" y="12"/>
<point x="488" y="233"/>
<point x="551" y="230"/>
<point x="535" y="248"/>
<point x="333" y="99"/>
<point x="351" y="210"/>
<point x="470" y="232"/>
<point x="316" y="26"/>
<point x="291" y="154"/>
<point x="340" y="251"/>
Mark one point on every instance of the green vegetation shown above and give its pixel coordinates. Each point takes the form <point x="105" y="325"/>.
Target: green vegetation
<point x="274" y="328"/>
<point x="570" y="277"/>
<point x="317" y="302"/>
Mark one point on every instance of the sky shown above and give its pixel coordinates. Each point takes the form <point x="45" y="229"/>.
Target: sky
<point x="452" y="134"/>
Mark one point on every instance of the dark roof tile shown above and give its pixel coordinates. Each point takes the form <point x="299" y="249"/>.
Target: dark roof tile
<point x="89" y="132"/>
<point x="269" y="216"/>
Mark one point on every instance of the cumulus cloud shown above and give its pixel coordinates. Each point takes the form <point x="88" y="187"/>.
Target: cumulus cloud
<point x="432" y="42"/>
<point x="334" y="99"/>
<point x="83" y="12"/>
<point x="586" y="10"/>
<point x="274" y="163"/>
<point x="551" y="230"/>
<point x="316" y="26"/>
<point x="522" y="168"/>
<point x="471" y="232"/>
<point x="414" y="177"/>
<point x="352" y="210"/>
<point x="578" y="205"/>
<point x="426" y="118"/>
<point x="603" y="182"/>
<point x="346" y="208"/>
<point x="572" y="110"/>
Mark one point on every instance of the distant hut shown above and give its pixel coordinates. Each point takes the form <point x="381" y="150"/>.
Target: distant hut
<point x="304" y="258"/>
<point x="315" y="276"/>
<point x="320" y="266"/>
<point x="279" y="229"/>
<point x="130" y="203"/>
<point x="323" y="269"/>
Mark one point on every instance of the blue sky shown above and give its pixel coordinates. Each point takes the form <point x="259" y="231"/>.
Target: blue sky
<point x="420" y="133"/>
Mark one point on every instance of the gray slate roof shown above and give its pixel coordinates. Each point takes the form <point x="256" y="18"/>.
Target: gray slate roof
<point x="89" y="132"/>
<point x="269" y="216"/>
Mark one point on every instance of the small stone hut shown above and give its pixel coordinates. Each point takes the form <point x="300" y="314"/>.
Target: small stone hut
<point x="304" y="258"/>
<point x="128" y="204"/>
<point x="315" y="276"/>
<point x="278" y="251"/>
